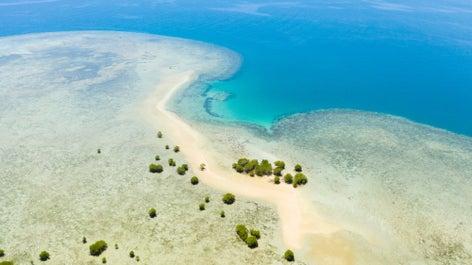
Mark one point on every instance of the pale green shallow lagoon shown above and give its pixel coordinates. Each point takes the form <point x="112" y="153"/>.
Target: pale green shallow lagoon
<point x="400" y="190"/>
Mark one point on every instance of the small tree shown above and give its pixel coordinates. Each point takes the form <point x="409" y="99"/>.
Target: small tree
<point x="288" y="178"/>
<point x="2" y="253"/>
<point x="298" y="168"/>
<point x="277" y="180"/>
<point x="194" y="180"/>
<point x="152" y="213"/>
<point x="84" y="240"/>
<point x="137" y="258"/>
<point x="131" y="254"/>
<point x="184" y="166"/>
<point x="97" y="248"/>
<point x="228" y="198"/>
<point x="222" y="214"/>
<point x="252" y="242"/>
<point x="116" y="246"/>
<point x="159" y="134"/>
<point x="207" y="199"/>
<point x="201" y="206"/>
<point x="202" y="166"/>
<point x="167" y="147"/>
<point x="242" y="232"/>
<point x="255" y="233"/>
<point x="99" y="151"/>
<point x="153" y="168"/>
<point x="104" y="260"/>
<point x="181" y="171"/>
<point x="176" y="149"/>
<point x="289" y="256"/>
<point x="157" y="158"/>
<point x="278" y="171"/>
<point x="280" y="164"/>
<point x="44" y="255"/>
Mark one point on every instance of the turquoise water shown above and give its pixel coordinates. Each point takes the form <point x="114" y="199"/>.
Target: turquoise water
<point x="409" y="58"/>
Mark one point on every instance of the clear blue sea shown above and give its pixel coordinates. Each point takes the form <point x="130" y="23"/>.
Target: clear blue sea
<point x="407" y="58"/>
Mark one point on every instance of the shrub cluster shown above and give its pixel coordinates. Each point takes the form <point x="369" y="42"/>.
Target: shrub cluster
<point x="253" y="167"/>
<point x="182" y="169"/>
<point x="299" y="179"/>
<point x="171" y="162"/>
<point x="153" y="168"/>
<point x="228" y="198"/>
<point x="98" y="248"/>
<point x="248" y="236"/>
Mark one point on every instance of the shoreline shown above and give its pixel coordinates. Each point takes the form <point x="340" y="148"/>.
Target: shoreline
<point x="297" y="219"/>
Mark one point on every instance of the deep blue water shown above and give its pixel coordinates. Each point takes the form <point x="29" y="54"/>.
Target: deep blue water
<point x="406" y="58"/>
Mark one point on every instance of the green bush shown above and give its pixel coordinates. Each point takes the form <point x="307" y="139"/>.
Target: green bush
<point x="201" y="206"/>
<point x="157" y="157"/>
<point x="44" y="255"/>
<point x="84" y="240"/>
<point x="159" y="134"/>
<point x="176" y="148"/>
<point x="2" y="253"/>
<point x="289" y="256"/>
<point x="153" y="168"/>
<point x="167" y="147"/>
<point x="298" y="168"/>
<point x="194" y="180"/>
<point x="299" y="179"/>
<point x="137" y="258"/>
<point x="288" y="178"/>
<point x="277" y="180"/>
<point x="252" y="242"/>
<point x="278" y="171"/>
<point x="243" y="161"/>
<point x="97" y="248"/>
<point x="181" y="171"/>
<point x="207" y="199"/>
<point x="104" y="260"/>
<point x="255" y="233"/>
<point x="152" y="213"/>
<point x="184" y="166"/>
<point x="228" y="198"/>
<point x="7" y="262"/>
<point x="99" y="151"/>
<point x="171" y="162"/>
<point x="131" y="254"/>
<point x="239" y="169"/>
<point x="242" y="232"/>
<point x="280" y="164"/>
<point x="222" y="214"/>
<point x="116" y="246"/>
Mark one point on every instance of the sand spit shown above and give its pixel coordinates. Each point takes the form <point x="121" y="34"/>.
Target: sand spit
<point x="294" y="216"/>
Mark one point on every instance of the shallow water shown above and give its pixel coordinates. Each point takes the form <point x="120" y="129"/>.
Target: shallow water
<point x="409" y="58"/>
